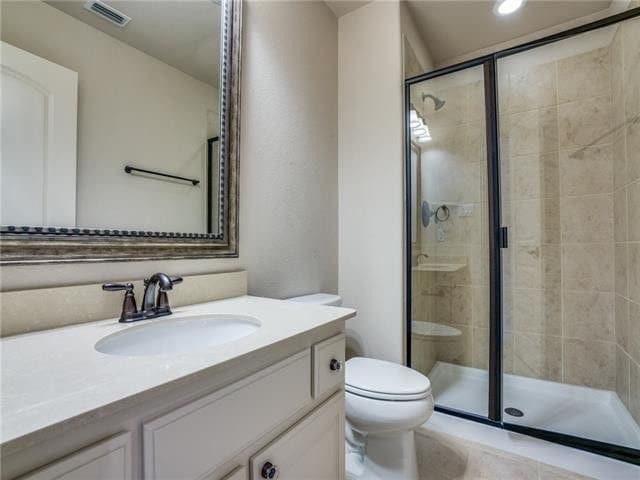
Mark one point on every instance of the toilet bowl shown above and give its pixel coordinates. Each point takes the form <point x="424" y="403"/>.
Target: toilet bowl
<point x="385" y="402"/>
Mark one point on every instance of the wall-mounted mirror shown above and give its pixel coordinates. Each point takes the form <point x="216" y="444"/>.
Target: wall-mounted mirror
<point x="119" y="129"/>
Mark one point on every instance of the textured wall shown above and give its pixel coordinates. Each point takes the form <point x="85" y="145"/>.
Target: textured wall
<point x="370" y="177"/>
<point x="288" y="164"/>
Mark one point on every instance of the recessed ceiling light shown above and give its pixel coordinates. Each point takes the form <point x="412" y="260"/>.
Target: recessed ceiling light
<point x="506" y="7"/>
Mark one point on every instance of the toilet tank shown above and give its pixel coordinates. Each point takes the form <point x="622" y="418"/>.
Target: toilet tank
<point x="319" y="299"/>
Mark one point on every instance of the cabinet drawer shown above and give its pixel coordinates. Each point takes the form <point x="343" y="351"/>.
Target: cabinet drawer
<point x="328" y="365"/>
<point x="312" y="450"/>
<point x="106" y="460"/>
<point x="195" y="439"/>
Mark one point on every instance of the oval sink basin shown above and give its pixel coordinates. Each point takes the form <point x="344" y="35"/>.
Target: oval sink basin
<point x="178" y="335"/>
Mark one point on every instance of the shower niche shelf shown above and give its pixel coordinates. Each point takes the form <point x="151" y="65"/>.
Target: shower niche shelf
<point x="441" y="264"/>
<point x="439" y="267"/>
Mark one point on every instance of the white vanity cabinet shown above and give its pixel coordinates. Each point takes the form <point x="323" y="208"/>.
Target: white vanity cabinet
<point x="289" y="415"/>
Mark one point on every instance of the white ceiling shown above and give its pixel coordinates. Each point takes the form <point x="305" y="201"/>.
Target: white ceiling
<point x="182" y="33"/>
<point x="452" y="28"/>
<point x="342" y="7"/>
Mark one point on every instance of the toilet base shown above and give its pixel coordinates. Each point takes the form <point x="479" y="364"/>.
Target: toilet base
<point x="390" y="456"/>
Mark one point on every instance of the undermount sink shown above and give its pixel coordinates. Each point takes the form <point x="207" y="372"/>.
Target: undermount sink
<point x="178" y="335"/>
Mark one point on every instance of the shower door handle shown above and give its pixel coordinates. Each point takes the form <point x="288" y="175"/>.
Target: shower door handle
<point x="503" y="237"/>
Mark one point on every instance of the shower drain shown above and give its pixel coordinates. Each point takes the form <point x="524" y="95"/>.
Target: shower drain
<point x="514" y="412"/>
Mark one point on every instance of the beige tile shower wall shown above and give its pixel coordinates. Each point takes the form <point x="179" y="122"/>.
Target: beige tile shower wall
<point x="626" y="204"/>
<point x="453" y="169"/>
<point x="39" y="309"/>
<point x="564" y="189"/>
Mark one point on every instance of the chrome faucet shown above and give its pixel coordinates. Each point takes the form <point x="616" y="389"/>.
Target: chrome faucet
<point x="152" y="305"/>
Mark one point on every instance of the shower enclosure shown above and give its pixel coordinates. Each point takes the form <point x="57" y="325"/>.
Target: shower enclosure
<point x="523" y="236"/>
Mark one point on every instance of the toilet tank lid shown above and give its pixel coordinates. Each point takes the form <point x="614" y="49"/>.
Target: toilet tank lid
<point x="318" y="299"/>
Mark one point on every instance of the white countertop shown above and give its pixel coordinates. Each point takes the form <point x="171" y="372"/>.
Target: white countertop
<point x="52" y="376"/>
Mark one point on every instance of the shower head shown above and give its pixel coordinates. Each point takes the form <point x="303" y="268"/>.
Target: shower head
<point x="437" y="103"/>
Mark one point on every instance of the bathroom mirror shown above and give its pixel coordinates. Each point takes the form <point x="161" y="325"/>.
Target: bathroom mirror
<point x="120" y="129"/>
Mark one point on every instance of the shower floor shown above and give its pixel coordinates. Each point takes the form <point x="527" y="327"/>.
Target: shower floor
<point x="569" y="409"/>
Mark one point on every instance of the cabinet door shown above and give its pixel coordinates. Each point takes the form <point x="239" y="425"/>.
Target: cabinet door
<point x="312" y="450"/>
<point x="328" y="366"/>
<point x="106" y="460"/>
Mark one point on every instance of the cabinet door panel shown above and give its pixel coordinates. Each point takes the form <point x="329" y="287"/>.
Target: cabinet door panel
<point x="106" y="460"/>
<point x="312" y="450"/>
<point x="328" y="365"/>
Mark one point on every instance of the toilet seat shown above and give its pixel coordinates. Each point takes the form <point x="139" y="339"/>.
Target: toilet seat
<point x="381" y="380"/>
<point x="389" y="397"/>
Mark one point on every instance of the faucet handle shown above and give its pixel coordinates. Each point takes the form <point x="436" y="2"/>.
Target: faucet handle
<point x="129" y="307"/>
<point x="162" y="301"/>
<point x="116" y="287"/>
<point x="172" y="281"/>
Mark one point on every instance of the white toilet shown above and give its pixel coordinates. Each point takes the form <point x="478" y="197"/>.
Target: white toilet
<point x="385" y="402"/>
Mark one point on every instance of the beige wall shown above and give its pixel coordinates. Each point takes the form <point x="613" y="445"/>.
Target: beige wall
<point x="132" y="109"/>
<point x="288" y="173"/>
<point x="371" y="177"/>
<point x="626" y="208"/>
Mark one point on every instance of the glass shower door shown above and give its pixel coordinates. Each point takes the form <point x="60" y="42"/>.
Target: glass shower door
<point x="570" y="167"/>
<point x="449" y="339"/>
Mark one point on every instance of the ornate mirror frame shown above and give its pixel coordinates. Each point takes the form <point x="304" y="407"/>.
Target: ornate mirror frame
<point x="31" y="245"/>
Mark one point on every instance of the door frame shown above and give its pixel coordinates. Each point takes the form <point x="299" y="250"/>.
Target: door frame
<point x="498" y="239"/>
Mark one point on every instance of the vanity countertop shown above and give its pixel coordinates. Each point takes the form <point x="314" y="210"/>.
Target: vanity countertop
<point x="55" y="376"/>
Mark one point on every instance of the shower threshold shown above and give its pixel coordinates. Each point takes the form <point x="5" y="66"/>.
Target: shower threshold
<point x="570" y="409"/>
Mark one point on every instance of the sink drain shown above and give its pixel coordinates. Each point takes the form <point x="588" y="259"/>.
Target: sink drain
<point x="514" y="412"/>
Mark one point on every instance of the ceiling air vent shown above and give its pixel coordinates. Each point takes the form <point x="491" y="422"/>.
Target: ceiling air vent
<point x="108" y="13"/>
